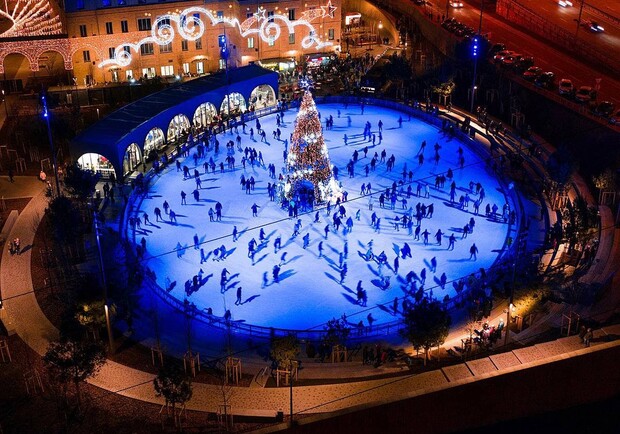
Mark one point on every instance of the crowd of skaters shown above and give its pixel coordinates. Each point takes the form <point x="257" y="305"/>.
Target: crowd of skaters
<point x="398" y="199"/>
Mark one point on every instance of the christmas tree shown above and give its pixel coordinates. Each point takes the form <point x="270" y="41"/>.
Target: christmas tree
<point x="308" y="162"/>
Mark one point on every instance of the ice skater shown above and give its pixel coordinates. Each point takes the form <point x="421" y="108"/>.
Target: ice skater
<point x="238" y="301"/>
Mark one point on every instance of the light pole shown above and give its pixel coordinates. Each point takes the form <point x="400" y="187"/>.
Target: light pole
<point x="579" y="19"/>
<point x="49" y="137"/>
<point x="475" y="54"/>
<point x="105" y="285"/>
<point x="6" y="108"/>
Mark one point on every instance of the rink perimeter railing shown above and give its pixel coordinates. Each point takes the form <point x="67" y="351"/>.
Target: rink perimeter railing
<point x="376" y="330"/>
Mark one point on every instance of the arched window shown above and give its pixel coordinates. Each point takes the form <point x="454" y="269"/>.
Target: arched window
<point x="154" y="141"/>
<point x="178" y="127"/>
<point x="262" y="96"/>
<point x="205" y="114"/>
<point x="233" y="105"/>
<point x="132" y="158"/>
<point x="96" y="163"/>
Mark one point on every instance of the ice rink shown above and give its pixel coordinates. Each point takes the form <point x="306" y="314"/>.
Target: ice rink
<point x="309" y="291"/>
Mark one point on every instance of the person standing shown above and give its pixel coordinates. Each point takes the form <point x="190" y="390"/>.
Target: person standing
<point x="238" y="302"/>
<point x="473" y="251"/>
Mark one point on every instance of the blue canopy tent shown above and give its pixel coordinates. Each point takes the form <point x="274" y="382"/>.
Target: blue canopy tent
<point x="110" y="137"/>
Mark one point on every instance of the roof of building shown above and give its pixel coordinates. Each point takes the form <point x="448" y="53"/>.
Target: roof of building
<point x="121" y="122"/>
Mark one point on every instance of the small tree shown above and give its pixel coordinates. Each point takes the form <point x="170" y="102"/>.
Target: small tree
<point x="337" y="332"/>
<point x="284" y="349"/>
<point x="174" y="385"/>
<point x="80" y="183"/>
<point x="64" y="220"/>
<point x="71" y="361"/>
<point x="426" y="325"/>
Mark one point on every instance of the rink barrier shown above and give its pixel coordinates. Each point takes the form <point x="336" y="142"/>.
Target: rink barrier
<point x="376" y="330"/>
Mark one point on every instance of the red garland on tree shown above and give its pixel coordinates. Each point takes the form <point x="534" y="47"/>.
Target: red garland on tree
<point x="308" y="160"/>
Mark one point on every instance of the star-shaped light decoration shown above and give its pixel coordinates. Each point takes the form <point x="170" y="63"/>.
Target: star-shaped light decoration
<point x="260" y="13"/>
<point x="328" y="10"/>
<point x="305" y="83"/>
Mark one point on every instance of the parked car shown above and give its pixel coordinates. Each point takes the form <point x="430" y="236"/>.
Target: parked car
<point x="525" y="62"/>
<point x="585" y="94"/>
<point x="511" y="60"/>
<point x="496" y="48"/>
<point x="499" y="56"/>
<point x="615" y="119"/>
<point x="532" y="73"/>
<point x="456" y="4"/>
<point x="605" y="109"/>
<point x="545" y="80"/>
<point x="565" y="87"/>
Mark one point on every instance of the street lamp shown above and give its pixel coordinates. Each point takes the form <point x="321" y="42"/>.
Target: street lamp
<point x="49" y="137"/>
<point x="475" y="50"/>
<point x="6" y="108"/>
<point x="105" y="285"/>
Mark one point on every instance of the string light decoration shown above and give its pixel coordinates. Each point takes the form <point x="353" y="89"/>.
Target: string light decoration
<point x="190" y="27"/>
<point x="307" y="161"/>
<point x="29" y="18"/>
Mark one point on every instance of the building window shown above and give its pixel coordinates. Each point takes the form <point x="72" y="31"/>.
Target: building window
<point x="250" y="42"/>
<point x="148" y="72"/>
<point x="79" y="4"/>
<point x="200" y="68"/>
<point x="184" y="45"/>
<point x="86" y="55"/>
<point x="106" y="3"/>
<point x="124" y="26"/>
<point x="291" y="14"/>
<point x="127" y="49"/>
<point x="199" y="44"/>
<point x="272" y="41"/>
<point x="186" y="68"/>
<point x="129" y="74"/>
<point x="122" y="2"/>
<point x="222" y="63"/>
<point x="167" y="71"/>
<point x="164" y="22"/>
<point x="270" y="16"/>
<point x="108" y="28"/>
<point x="249" y="14"/>
<point x="111" y="52"/>
<point x="220" y="14"/>
<point x="330" y="34"/>
<point x="83" y="31"/>
<point x="146" y="49"/>
<point x="144" y="24"/>
<point x="166" y="48"/>
<point x="291" y="38"/>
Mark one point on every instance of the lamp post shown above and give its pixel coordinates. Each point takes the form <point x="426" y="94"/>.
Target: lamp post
<point x="475" y="54"/>
<point x="6" y="108"/>
<point x="579" y="19"/>
<point x="49" y="137"/>
<point x="105" y="285"/>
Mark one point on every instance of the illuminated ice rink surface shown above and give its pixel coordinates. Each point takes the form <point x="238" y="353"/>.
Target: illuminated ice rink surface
<point x="309" y="291"/>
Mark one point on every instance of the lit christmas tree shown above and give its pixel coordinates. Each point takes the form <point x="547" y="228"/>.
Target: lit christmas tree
<point x="308" y="162"/>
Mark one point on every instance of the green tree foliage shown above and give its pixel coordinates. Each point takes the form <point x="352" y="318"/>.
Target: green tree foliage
<point x="80" y="183"/>
<point x="64" y="219"/>
<point x="337" y="332"/>
<point x="73" y="362"/>
<point x="284" y="349"/>
<point x="174" y="385"/>
<point x="426" y="325"/>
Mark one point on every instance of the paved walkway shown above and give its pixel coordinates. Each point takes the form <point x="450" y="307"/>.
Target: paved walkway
<point x="29" y="322"/>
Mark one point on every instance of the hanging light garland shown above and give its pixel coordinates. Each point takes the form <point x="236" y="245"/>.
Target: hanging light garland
<point x="191" y="27"/>
<point x="30" y="18"/>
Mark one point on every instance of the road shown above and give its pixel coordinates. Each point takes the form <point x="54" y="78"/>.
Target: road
<point x="550" y="59"/>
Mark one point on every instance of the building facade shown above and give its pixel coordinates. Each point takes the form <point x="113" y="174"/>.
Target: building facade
<point x="120" y="40"/>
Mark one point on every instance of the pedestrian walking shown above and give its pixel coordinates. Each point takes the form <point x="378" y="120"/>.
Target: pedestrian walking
<point x="238" y="302"/>
<point x="473" y="252"/>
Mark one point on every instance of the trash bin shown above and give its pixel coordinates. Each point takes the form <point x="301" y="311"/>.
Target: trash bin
<point x="280" y="416"/>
